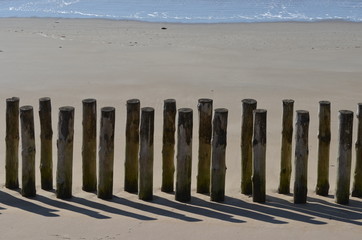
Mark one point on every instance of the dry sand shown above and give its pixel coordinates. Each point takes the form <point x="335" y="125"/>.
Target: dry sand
<point x="112" y="61"/>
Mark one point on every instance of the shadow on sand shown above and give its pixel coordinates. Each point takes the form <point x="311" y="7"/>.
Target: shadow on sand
<point x="275" y="211"/>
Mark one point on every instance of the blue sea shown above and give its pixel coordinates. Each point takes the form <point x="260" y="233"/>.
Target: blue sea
<point x="188" y="11"/>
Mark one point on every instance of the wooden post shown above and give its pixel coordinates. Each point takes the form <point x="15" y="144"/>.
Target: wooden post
<point x="205" y="130"/>
<point x="344" y="156"/>
<point x="132" y="146"/>
<point x="168" y="145"/>
<point x="12" y="143"/>
<point x="27" y="151"/>
<point x="219" y="141"/>
<point x="301" y="157"/>
<point x="286" y="149"/>
<point x="249" y="105"/>
<point x="259" y="155"/>
<point x="106" y="153"/>
<point x="184" y="155"/>
<point x="324" y="137"/>
<point x="357" y="184"/>
<point x="65" y="152"/>
<point x="146" y="154"/>
<point x="89" y="145"/>
<point x="46" y="143"/>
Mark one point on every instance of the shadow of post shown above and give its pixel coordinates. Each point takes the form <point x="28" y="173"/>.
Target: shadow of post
<point x="68" y="206"/>
<point x="154" y="210"/>
<point x="113" y="210"/>
<point x="316" y="207"/>
<point x="12" y="201"/>
<point x="191" y="207"/>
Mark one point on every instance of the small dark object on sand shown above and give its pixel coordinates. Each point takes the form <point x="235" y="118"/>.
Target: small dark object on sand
<point x="164" y="28"/>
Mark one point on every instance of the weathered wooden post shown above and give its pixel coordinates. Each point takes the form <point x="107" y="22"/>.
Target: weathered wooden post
<point x="145" y="189"/>
<point x="344" y="156"/>
<point x="46" y="143"/>
<point x="27" y="151"/>
<point x="259" y="155"/>
<point x="357" y="183"/>
<point x="248" y="105"/>
<point x="106" y="153"/>
<point x="324" y="137"/>
<point x="184" y="155"/>
<point x="301" y="157"/>
<point x="168" y="145"/>
<point x="12" y="143"/>
<point x="132" y="146"/>
<point x="218" y="168"/>
<point x="89" y="145"/>
<point x="286" y="149"/>
<point x="205" y="130"/>
<point x="65" y="152"/>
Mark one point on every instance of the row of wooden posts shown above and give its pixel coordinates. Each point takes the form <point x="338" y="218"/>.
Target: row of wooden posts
<point x="139" y="150"/>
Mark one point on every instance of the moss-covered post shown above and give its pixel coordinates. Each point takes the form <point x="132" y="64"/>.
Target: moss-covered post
<point x="286" y="148"/>
<point x="12" y="143"/>
<point x="89" y="145"/>
<point x="168" y="145"/>
<point x="145" y="189"/>
<point x="301" y="157"/>
<point x="344" y="157"/>
<point x="132" y="146"/>
<point x="218" y="164"/>
<point x="184" y="155"/>
<point x="65" y="152"/>
<point x="324" y="137"/>
<point x="27" y="151"/>
<point x="204" y="107"/>
<point x="248" y="106"/>
<point x="46" y="143"/>
<point x="357" y="183"/>
<point x="259" y="156"/>
<point x="106" y="153"/>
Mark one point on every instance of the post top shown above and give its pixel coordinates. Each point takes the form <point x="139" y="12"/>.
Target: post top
<point x="249" y="101"/>
<point x="170" y="100"/>
<point x="108" y="109"/>
<point x="345" y="112"/>
<point x="288" y="101"/>
<point x="66" y="109"/>
<point x="302" y="111"/>
<point x="13" y="99"/>
<point x="44" y="99"/>
<point x="221" y="110"/>
<point x="148" y="109"/>
<point x="260" y="111"/>
<point x="133" y="101"/>
<point x="205" y="100"/>
<point x="89" y="100"/>
<point x="324" y="102"/>
<point x="185" y="110"/>
<point x="26" y="108"/>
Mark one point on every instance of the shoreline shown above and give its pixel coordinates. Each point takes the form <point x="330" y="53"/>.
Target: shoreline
<point x="192" y="23"/>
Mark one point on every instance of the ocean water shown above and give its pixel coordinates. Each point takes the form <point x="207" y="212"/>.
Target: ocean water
<point x="188" y="11"/>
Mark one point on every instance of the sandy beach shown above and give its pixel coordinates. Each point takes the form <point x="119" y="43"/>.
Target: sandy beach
<point x="113" y="61"/>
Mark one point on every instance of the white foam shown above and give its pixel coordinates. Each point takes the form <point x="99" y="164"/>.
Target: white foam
<point x="189" y="11"/>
